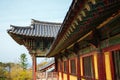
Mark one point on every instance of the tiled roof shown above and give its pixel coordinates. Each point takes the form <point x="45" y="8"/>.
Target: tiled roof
<point x="47" y="65"/>
<point x="37" y="29"/>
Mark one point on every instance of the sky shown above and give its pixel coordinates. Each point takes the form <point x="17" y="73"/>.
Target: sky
<point x="20" y="13"/>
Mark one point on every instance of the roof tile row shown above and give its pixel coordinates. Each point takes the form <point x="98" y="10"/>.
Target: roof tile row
<point x="37" y="29"/>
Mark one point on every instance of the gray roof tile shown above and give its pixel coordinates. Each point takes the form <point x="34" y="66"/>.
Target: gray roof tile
<point x="37" y="29"/>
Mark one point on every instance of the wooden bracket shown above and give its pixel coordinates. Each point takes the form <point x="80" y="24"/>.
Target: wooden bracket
<point x="76" y="48"/>
<point x="61" y="57"/>
<point x="95" y="39"/>
<point x="66" y="55"/>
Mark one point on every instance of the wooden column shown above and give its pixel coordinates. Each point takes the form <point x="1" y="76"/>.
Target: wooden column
<point x="101" y="66"/>
<point x="62" y="70"/>
<point x="68" y="75"/>
<point x="34" y="66"/>
<point x="56" y="65"/>
<point x="78" y="67"/>
<point x="76" y="51"/>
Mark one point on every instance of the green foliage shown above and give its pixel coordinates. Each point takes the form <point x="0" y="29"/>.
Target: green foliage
<point x="22" y="75"/>
<point x="17" y="73"/>
<point x="23" y="61"/>
<point x="13" y="71"/>
<point x="4" y="71"/>
<point x="20" y="71"/>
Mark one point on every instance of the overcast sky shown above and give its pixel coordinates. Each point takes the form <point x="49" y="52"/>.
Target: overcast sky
<point x="20" y="12"/>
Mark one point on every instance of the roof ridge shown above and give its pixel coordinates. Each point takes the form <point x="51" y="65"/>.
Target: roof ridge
<point x="20" y="26"/>
<point x="33" y="21"/>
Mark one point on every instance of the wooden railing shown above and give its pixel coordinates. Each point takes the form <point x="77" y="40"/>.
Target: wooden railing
<point x="47" y="76"/>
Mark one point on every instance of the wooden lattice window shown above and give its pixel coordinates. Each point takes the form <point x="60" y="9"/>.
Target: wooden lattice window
<point x="73" y="66"/>
<point x="116" y="64"/>
<point x="88" y="66"/>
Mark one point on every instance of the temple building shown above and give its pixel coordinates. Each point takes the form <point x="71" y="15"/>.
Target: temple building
<point x="86" y="46"/>
<point x="37" y="38"/>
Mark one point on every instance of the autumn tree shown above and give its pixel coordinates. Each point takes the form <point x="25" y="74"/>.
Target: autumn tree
<point x="17" y="73"/>
<point x="2" y="71"/>
<point x="5" y="71"/>
<point x="14" y="71"/>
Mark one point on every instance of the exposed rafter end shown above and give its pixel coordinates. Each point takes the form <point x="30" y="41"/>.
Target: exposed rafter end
<point x="87" y="7"/>
<point x="93" y="1"/>
<point x="83" y="13"/>
<point x="76" y="23"/>
<point x="79" y="18"/>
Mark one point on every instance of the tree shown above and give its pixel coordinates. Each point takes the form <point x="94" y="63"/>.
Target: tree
<point x="4" y="72"/>
<point x="14" y="71"/>
<point x="23" y="61"/>
<point x="17" y="73"/>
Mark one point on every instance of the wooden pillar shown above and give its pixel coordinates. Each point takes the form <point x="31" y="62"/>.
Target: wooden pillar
<point x="76" y="51"/>
<point x="56" y="65"/>
<point x="62" y="70"/>
<point x="68" y="75"/>
<point x="78" y="67"/>
<point x="101" y="66"/>
<point x="34" y="66"/>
